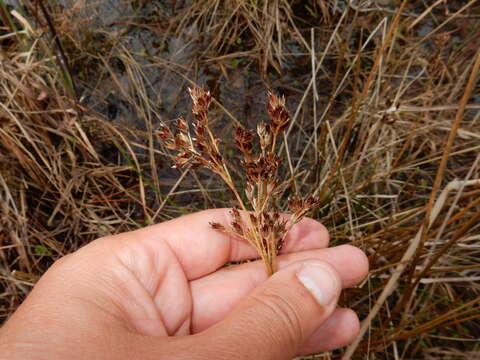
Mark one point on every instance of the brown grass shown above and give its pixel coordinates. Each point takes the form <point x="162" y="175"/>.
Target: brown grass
<point x="384" y="130"/>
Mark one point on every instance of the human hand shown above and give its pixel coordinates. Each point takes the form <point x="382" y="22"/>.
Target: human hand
<point x="162" y="292"/>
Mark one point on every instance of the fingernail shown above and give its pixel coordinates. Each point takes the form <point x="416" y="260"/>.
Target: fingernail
<point x="320" y="281"/>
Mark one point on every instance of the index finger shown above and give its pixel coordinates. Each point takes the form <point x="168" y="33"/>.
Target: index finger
<point x="201" y="250"/>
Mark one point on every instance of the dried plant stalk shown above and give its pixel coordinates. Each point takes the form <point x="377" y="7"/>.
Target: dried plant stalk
<point x="261" y="226"/>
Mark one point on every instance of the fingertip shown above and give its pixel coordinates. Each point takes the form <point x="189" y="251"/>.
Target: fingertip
<point x="339" y="330"/>
<point x="308" y="234"/>
<point x="350" y="325"/>
<point x="358" y="260"/>
<point x="354" y="328"/>
<point x="317" y="231"/>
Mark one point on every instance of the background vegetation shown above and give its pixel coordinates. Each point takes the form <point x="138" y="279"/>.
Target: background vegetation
<point x="385" y="128"/>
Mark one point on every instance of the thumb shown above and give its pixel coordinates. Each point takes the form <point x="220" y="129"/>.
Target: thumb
<point x="280" y="315"/>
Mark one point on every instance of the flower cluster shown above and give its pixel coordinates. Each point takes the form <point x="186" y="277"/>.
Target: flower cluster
<point x="260" y="224"/>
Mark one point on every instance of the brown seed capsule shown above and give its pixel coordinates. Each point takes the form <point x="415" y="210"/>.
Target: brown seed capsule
<point x="264" y="135"/>
<point x="181" y="141"/>
<point x="164" y="133"/>
<point x="237" y="227"/>
<point x="201" y="146"/>
<point x="217" y="226"/>
<point x="182" y="125"/>
<point x="199" y="129"/>
<point x="249" y="189"/>
<point x="235" y="214"/>
<point x="180" y="162"/>
<point x="294" y="204"/>
<point x="243" y="140"/>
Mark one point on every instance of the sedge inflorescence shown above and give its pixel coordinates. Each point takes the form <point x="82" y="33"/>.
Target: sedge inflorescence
<point x="257" y="219"/>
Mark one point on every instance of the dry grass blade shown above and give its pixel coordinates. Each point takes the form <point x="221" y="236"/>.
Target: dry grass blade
<point x="407" y="256"/>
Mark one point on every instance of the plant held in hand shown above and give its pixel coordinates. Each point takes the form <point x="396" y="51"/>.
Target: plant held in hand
<point x="261" y="226"/>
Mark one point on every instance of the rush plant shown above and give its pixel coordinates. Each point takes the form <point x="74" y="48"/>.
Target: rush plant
<point x="257" y="219"/>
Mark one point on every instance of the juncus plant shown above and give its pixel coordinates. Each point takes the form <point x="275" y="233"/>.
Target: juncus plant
<point x="261" y="226"/>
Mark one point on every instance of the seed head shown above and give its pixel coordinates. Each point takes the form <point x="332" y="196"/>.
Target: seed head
<point x="201" y="102"/>
<point x="279" y="117"/>
<point x="243" y="140"/>
<point x="200" y="148"/>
